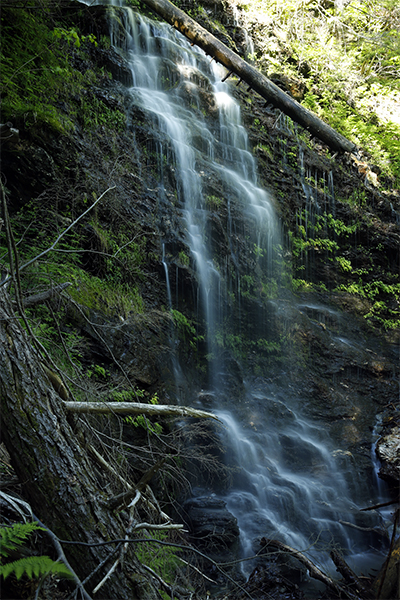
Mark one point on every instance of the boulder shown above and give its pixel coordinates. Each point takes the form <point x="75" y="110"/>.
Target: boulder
<point x="388" y="452"/>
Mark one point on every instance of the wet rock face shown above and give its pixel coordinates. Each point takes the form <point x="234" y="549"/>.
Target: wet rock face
<point x="388" y="452"/>
<point x="212" y="527"/>
<point x="137" y="345"/>
<point x="30" y="170"/>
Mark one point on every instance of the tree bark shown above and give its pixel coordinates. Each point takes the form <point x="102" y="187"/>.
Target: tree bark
<point x="52" y="464"/>
<point x="387" y="583"/>
<point x="247" y="73"/>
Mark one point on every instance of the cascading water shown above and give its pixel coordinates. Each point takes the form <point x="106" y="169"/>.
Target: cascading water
<point x="289" y="485"/>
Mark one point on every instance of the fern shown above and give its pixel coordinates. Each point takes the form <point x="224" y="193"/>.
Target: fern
<point x="11" y="539"/>
<point x="34" y="566"/>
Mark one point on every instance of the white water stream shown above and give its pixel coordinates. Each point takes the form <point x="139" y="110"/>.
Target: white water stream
<point x="289" y="484"/>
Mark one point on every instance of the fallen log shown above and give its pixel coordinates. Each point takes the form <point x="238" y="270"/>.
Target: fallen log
<point x="137" y="408"/>
<point x="313" y="570"/>
<point x="256" y="80"/>
<point x="349" y="576"/>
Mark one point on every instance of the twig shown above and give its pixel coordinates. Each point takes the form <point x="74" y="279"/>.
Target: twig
<point x="125" y="497"/>
<point x="366" y="529"/>
<point x="63" y="558"/>
<point x="96" y="331"/>
<point x="195" y="569"/>
<point x="379" y="505"/>
<point x="43" y="296"/>
<point x="135" y="500"/>
<point x="15" y="278"/>
<point x="107" y="576"/>
<point x="167" y="588"/>
<point x="50" y="248"/>
<point x="108" y="467"/>
<point x="162" y="527"/>
<point x="71" y="362"/>
<point x="100" y="565"/>
<point x="171" y="544"/>
<point x="226" y="76"/>
<point x="15" y="502"/>
<point x="153" y="504"/>
<point x="124" y="547"/>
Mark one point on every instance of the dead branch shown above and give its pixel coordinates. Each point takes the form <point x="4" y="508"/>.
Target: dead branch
<point x="162" y="543"/>
<point x="195" y="569"/>
<point x="313" y="570"/>
<point x="53" y="245"/>
<point x="379" y="505"/>
<point x="137" y="408"/>
<point x="124" y="498"/>
<point x="171" y="591"/>
<point x="348" y="575"/>
<point x="163" y="527"/>
<point x="62" y="558"/>
<point x="388" y="578"/>
<point x="46" y="295"/>
<point x="376" y="530"/>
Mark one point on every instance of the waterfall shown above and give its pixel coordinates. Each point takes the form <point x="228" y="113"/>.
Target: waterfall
<point x="289" y="483"/>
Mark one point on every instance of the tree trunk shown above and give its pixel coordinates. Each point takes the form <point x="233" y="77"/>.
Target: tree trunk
<point x="261" y="84"/>
<point x="52" y="464"/>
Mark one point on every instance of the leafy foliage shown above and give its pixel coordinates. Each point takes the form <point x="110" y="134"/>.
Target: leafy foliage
<point x="346" y="56"/>
<point x="32" y="566"/>
<point x="39" y="80"/>
<point x="12" y="537"/>
<point x="162" y="559"/>
<point x="139" y="421"/>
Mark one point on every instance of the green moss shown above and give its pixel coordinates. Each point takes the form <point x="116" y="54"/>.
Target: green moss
<point x="161" y="558"/>
<point x="39" y="84"/>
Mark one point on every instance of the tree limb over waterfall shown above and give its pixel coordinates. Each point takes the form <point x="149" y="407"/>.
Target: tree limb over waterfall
<point x="261" y="84"/>
<point x="313" y="570"/>
<point x="137" y="408"/>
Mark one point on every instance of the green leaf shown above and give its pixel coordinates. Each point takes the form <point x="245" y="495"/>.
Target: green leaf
<point x="11" y="537"/>
<point x="34" y="566"/>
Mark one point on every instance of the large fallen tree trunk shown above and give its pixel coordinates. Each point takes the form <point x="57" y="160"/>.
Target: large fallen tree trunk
<point x="57" y="477"/>
<point x="247" y="73"/>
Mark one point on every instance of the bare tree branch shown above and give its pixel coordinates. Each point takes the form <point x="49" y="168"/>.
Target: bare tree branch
<point x="63" y="558"/>
<point x="137" y="408"/>
<point x="313" y="570"/>
<point x="46" y="295"/>
<point x="50" y="248"/>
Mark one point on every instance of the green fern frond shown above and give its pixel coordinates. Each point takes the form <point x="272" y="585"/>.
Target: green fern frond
<point x="12" y="537"/>
<point x="34" y="566"/>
